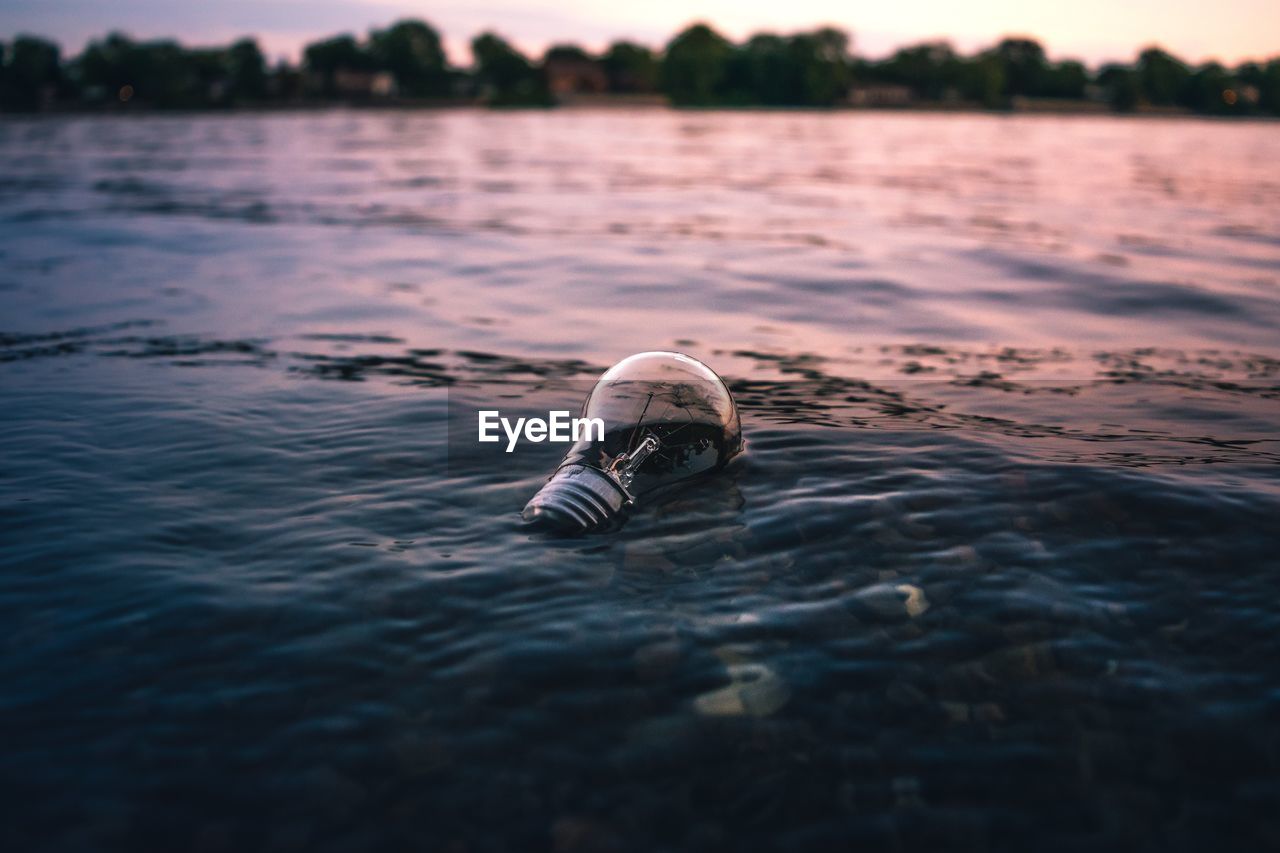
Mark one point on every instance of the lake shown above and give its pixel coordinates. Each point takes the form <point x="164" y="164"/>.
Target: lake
<point x="998" y="569"/>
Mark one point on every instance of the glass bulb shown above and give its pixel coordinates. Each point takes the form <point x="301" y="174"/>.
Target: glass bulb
<point x="667" y="418"/>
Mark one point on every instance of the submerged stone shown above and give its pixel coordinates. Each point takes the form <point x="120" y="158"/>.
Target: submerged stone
<point x="755" y="691"/>
<point x="893" y="601"/>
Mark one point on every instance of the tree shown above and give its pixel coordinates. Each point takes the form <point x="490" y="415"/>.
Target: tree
<point x="930" y="69"/>
<point x="566" y="53"/>
<point x="33" y="74"/>
<point x="158" y="73"/>
<point x="806" y="69"/>
<point x="694" y="69"/>
<point x="246" y="71"/>
<point x="412" y="52"/>
<point x="1162" y="77"/>
<point x="1269" y="87"/>
<point x="324" y="59"/>
<point x="1023" y="65"/>
<point x="505" y="76"/>
<point x="760" y="72"/>
<point x="630" y="68"/>
<point x="983" y="80"/>
<point x="1121" y="86"/>
<point x="820" y="62"/>
<point x="1066" y="79"/>
<point x="699" y="67"/>
<point x="172" y="77"/>
<point x="107" y="66"/>
<point x="1212" y="89"/>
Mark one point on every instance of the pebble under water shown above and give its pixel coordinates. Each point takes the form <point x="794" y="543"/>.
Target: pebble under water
<point x="998" y="570"/>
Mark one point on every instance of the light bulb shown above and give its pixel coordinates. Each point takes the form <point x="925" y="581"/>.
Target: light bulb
<point x="668" y="418"/>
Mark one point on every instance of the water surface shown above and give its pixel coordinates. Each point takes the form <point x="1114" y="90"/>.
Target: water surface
<point x="998" y="570"/>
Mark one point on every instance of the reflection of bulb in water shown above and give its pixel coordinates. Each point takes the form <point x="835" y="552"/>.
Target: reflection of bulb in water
<point x="667" y="418"/>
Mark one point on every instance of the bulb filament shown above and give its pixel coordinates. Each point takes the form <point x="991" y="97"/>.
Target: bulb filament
<point x="625" y="467"/>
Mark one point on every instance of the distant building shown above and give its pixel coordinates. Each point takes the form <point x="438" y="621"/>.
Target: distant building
<point x="570" y="76"/>
<point x="383" y="85"/>
<point x="881" y="95"/>
<point x="364" y="84"/>
<point x="349" y="83"/>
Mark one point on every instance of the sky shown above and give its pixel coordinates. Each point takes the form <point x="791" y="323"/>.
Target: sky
<point x="1093" y="30"/>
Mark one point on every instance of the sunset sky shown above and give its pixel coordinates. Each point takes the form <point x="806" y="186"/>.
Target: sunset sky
<point x="1094" y="30"/>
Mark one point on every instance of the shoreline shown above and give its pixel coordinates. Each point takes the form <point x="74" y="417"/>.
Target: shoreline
<point x="1083" y="109"/>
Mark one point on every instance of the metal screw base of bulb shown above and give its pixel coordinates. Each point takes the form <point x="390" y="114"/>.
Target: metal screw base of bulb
<point x="576" y="499"/>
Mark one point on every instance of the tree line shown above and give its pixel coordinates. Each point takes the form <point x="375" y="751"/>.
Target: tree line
<point x="699" y="67"/>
